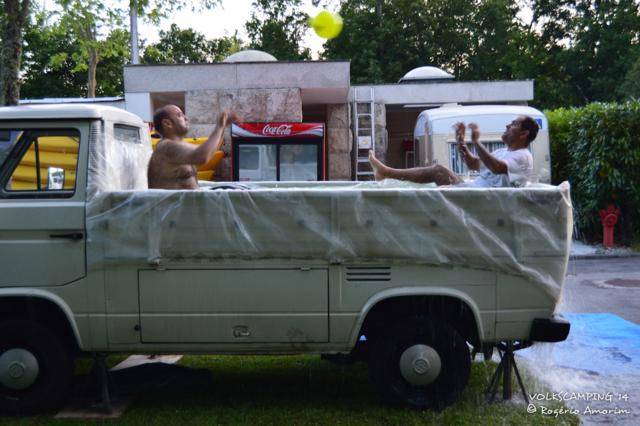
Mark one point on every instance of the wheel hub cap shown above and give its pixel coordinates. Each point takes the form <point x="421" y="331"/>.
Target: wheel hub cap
<point x="18" y="369"/>
<point x="420" y="365"/>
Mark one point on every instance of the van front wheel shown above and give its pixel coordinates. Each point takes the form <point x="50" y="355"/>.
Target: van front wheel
<point x="36" y="368"/>
<point x="421" y="363"/>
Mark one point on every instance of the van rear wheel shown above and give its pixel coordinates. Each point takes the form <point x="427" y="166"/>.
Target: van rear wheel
<point x="421" y="363"/>
<point x="36" y="368"/>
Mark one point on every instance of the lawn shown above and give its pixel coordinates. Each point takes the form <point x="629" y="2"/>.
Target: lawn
<point x="298" y="390"/>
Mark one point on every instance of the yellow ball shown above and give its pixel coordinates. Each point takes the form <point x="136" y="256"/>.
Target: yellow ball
<point x="326" y="24"/>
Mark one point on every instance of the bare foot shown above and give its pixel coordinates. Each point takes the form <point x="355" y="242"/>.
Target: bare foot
<point x="377" y="166"/>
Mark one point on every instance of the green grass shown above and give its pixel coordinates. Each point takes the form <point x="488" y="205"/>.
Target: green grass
<point x="303" y="390"/>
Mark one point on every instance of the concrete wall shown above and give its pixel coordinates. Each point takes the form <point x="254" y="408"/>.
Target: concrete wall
<point x="203" y="106"/>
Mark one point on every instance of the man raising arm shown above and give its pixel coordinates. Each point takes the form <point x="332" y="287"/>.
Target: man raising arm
<point x="503" y="167"/>
<point x="173" y="163"/>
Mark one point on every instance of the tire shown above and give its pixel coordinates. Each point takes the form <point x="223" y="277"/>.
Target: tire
<point x="52" y="384"/>
<point x="453" y="353"/>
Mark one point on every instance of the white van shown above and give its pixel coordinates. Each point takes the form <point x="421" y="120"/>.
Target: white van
<point x="434" y="138"/>
<point x="403" y="276"/>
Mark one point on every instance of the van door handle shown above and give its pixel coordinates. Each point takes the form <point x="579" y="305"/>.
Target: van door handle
<point x="72" y="236"/>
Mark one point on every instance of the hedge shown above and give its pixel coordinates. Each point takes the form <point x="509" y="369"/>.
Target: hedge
<point x="597" y="149"/>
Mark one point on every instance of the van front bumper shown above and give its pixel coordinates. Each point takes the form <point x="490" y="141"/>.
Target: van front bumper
<point x="554" y="329"/>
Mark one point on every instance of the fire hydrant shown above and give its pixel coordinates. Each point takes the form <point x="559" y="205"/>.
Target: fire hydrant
<point x="609" y="218"/>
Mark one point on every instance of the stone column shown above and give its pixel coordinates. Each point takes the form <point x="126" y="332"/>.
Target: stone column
<point x="381" y="142"/>
<point x="339" y="139"/>
<point x="202" y="108"/>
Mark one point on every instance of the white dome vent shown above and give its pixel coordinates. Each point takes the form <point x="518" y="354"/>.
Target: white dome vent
<point x="250" y="56"/>
<point x="425" y="75"/>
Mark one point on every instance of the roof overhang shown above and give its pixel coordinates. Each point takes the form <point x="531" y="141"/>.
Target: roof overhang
<point x="469" y="92"/>
<point x="318" y="81"/>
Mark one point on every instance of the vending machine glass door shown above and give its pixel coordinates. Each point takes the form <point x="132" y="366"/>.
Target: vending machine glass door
<point x="257" y="162"/>
<point x="298" y="162"/>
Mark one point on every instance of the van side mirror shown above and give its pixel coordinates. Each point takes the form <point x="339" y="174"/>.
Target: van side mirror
<point x="55" y="178"/>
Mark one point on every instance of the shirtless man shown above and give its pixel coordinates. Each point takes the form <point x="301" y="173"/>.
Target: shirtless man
<point x="510" y="166"/>
<point x="173" y="163"/>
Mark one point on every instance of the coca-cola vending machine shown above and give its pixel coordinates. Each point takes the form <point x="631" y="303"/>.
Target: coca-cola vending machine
<point x="278" y="151"/>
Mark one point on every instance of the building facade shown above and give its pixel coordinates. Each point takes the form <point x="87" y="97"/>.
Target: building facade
<point x="356" y="118"/>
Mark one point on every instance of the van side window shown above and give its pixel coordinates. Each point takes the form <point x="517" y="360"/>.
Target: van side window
<point x="41" y="161"/>
<point x="124" y="133"/>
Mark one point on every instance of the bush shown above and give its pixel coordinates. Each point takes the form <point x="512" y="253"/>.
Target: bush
<point x="597" y="149"/>
<point x="559" y="135"/>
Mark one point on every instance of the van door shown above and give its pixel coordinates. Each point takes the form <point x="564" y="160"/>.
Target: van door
<point x="262" y="305"/>
<point x="42" y="208"/>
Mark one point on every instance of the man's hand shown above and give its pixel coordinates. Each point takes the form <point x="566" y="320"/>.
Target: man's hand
<point x="469" y="159"/>
<point x="475" y="133"/>
<point x="461" y="144"/>
<point x="460" y="129"/>
<point x="227" y="117"/>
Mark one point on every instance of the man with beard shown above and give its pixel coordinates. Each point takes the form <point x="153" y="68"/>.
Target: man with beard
<point x="173" y="163"/>
<point x="510" y="166"/>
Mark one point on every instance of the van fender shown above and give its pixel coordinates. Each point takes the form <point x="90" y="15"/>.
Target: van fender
<point x="42" y="294"/>
<point x="415" y="291"/>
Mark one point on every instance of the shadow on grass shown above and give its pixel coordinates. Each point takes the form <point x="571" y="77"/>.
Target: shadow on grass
<point x="306" y="390"/>
<point x="289" y="390"/>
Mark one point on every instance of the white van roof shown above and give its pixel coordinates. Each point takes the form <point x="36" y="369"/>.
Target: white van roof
<point x="490" y="118"/>
<point x="68" y="111"/>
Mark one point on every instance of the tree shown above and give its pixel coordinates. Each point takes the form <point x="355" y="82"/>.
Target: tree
<point x="49" y="66"/>
<point x="495" y="38"/>
<point x="383" y="39"/>
<point x="87" y="20"/>
<point x="276" y="27"/>
<point x="589" y="46"/>
<point x="40" y="76"/>
<point x="181" y="46"/>
<point x="631" y="86"/>
<point x="109" y="73"/>
<point x="604" y="46"/>
<point x="12" y="22"/>
<point x="154" y="10"/>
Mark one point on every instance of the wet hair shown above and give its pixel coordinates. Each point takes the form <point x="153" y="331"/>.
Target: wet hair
<point x="530" y="125"/>
<point x="159" y="115"/>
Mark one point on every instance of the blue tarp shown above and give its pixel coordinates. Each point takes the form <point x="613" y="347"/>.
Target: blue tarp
<point x="600" y="343"/>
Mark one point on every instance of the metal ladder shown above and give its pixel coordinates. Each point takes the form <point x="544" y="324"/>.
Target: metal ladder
<point x="365" y="131"/>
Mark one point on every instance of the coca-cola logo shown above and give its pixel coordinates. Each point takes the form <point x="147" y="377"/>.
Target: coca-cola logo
<point x="281" y="130"/>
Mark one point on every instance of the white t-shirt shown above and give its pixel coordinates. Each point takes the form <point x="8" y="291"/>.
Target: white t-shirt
<point x="519" y="168"/>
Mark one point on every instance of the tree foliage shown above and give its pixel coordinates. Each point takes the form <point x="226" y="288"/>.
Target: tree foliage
<point x="88" y="21"/>
<point x="156" y="10"/>
<point x="277" y="27"/>
<point x="40" y="77"/>
<point x="630" y="88"/>
<point x="50" y="65"/>
<point x="577" y="51"/>
<point x="182" y="46"/>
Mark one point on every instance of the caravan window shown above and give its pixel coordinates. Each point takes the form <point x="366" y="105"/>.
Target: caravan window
<point x="455" y="161"/>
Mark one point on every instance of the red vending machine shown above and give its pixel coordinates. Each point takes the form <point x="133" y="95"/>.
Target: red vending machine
<point x="278" y="151"/>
